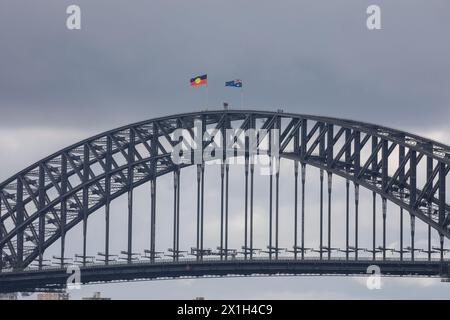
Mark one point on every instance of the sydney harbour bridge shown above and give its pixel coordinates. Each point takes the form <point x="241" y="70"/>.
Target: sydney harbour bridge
<point x="402" y="175"/>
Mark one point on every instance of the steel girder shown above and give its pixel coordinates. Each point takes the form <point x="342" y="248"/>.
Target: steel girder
<point x="55" y="279"/>
<point x="41" y="203"/>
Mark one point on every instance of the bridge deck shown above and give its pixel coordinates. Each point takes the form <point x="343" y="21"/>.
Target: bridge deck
<point x="55" y="278"/>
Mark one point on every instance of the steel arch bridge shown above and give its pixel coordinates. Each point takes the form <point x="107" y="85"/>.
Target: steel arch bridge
<point x="42" y="203"/>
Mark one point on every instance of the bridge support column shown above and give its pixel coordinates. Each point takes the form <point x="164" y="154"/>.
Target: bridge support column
<point x="63" y="208"/>
<point x="178" y="213"/>
<point x="429" y="209"/>
<point x="329" y="157"/>
<point x="270" y="195"/>
<point x="295" y="207"/>
<point x="357" y="169"/>
<point x="384" y="182"/>
<point x="374" y="166"/>
<point x="322" y="154"/>
<point x="348" y="139"/>
<point x="130" y="177"/>
<point x="277" y="206"/>
<point x="107" y="214"/>
<point x="356" y="219"/>
<point x="274" y="140"/>
<point x="130" y="226"/>
<point x="296" y="163"/>
<point x="85" y="200"/>
<point x="222" y="190"/>
<point x="252" y="172"/>
<point x="321" y="216"/>
<point x="347" y="219"/>
<point x="200" y="207"/>
<point x="198" y="211"/>
<point x="108" y="192"/>
<point x="303" y="151"/>
<point x="153" y="218"/>
<point x="330" y="176"/>
<point x="401" y="228"/>
<point x="246" y="199"/>
<point x="19" y="220"/>
<point x="303" y="208"/>
<point x="374" y="225"/>
<point x="41" y="201"/>
<point x="222" y="204"/>
<point x="176" y="207"/>
<point x="384" y="209"/>
<point x="225" y="163"/>
<point x="413" y="231"/>
<point x="401" y="158"/>
<point x="154" y="171"/>
<point x="442" y="203"/>
<point x="413" y="197"/>
<point x="227" y="172"/>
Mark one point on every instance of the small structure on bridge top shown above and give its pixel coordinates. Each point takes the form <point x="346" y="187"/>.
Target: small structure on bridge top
<point x="96" y="296"/>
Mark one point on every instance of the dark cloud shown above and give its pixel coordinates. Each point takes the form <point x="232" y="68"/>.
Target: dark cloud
<point x="133" y="60"/>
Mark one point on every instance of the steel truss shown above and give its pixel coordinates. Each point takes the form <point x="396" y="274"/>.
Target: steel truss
<point x="40" y="204"/>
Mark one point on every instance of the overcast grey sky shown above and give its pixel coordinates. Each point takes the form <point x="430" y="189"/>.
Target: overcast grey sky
<point x="132" y="61"/>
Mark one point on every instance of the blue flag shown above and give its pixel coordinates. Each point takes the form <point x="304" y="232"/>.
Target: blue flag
<point x="234" y="83"/>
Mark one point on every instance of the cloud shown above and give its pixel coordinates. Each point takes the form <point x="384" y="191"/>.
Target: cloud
<point x="132" y="62"/>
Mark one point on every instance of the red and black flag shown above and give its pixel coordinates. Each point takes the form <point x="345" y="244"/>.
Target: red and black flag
<point x="200" y="80"/>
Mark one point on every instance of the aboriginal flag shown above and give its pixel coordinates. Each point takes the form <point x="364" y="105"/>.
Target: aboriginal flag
<point x="200" y="80"/>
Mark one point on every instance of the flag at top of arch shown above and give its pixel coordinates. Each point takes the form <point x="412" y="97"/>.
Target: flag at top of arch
<point x="199" y="80"/>
<point x="234" y="83"/>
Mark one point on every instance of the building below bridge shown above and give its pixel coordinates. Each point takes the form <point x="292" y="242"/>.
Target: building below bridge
<point x="53" y="296"/>
<point x="8" y="296"/>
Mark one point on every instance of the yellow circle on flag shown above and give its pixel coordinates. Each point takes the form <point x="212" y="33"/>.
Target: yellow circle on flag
<point x="197" y="80"/>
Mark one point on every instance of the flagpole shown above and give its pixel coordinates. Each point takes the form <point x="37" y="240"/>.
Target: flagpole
<point x="207" y="96"/>
<point x="242" y="97"/>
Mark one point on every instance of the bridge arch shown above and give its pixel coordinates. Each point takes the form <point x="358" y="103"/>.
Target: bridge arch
<point x="40" y="204"/>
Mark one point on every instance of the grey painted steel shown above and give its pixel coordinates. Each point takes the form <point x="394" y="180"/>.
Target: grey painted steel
<point x="32" y="217"/>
